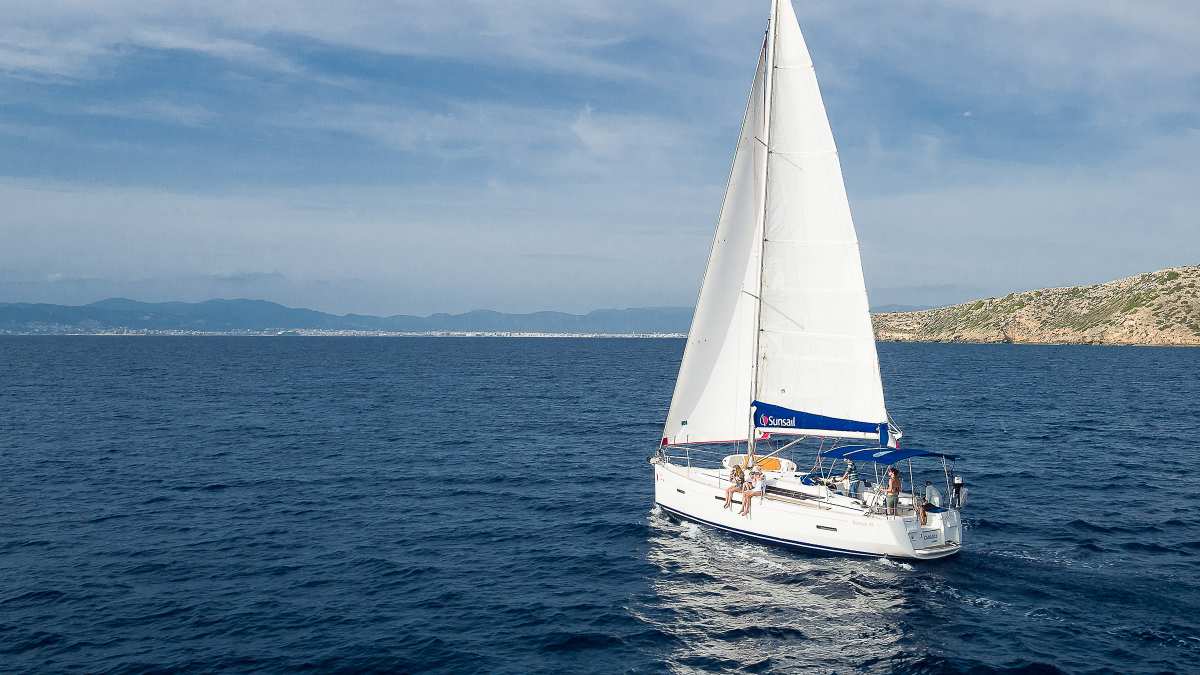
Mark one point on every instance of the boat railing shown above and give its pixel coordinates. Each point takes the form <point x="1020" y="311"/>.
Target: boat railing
<point x="711" y="457"/>
<point x="700" y="454"/>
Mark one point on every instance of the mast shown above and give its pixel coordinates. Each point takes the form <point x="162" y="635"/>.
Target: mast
<point x="768" y="93"/>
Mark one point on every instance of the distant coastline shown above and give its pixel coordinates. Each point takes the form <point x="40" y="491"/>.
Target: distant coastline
<point x="259" y="317"/>
<point x="1154" y="309"/>
<point x="339" y="333"/>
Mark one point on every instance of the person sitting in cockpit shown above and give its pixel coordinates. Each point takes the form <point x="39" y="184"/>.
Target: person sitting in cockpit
<point x="933" y="495"/>
<point x="931" y="503"/>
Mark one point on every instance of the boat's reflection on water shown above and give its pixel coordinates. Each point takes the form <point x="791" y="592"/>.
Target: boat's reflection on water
<point x="731" y="603"/>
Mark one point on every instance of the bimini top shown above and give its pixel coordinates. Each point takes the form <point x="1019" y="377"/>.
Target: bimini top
<point x="866" y="453"/>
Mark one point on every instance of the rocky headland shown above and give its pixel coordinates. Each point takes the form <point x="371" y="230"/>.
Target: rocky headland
<point x="1156" y="308"/>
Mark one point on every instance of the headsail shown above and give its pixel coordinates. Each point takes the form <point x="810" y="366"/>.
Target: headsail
<point x="782" y="325"/>
<point x="713" y="390"/>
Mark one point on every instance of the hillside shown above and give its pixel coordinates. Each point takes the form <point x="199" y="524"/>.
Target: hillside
<point x="1157" y="308"/>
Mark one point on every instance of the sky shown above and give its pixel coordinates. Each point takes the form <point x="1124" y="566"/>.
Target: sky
<point x="418" y="156"/>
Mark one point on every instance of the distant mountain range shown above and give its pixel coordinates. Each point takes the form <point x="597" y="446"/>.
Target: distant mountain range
<point x="255" y="316"/>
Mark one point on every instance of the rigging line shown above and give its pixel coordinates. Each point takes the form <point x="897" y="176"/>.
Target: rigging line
<point x="781" y="449"/>
<point x="803" y="153"/>
<point x="781" y="313"/>
<point x="785" y="156"/>
<point x="819" y="242"/>
<point x="847" y="337"/>
<point x="795" y="153"/>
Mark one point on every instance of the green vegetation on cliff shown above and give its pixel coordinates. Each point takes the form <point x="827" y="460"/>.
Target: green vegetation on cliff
<point x="1157" y="308"/>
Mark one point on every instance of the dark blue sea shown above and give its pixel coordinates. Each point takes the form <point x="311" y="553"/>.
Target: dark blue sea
<point x="484" y="505"/>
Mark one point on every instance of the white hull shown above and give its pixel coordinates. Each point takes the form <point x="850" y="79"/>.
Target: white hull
<point x="816" y="520"/>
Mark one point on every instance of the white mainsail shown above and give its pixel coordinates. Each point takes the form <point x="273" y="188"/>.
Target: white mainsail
<point x="782" y="324"/>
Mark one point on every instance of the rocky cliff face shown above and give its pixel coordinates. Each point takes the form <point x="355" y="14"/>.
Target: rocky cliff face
<point x="1158" y="308"/>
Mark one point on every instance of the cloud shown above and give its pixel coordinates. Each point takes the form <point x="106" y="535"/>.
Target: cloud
<point x="1013" y="227"/>
<point x="435" y="155"/>
<point x="1051" y="43"/>
<point x="36" y="132"/>
<point x="1110" y="63"/>
<point x="184" y="114"/>
<point x="623" y="136"/>
<point x="419" y="249"/>
<point x="57" y="52"/>
<point x="35" y="53"/>
<point x="537" y="140"/>
<point x="459" y="129"/>
<point x="571" y="258"/>
<point x="233" y="50"/>
<point x="60" y="38"/>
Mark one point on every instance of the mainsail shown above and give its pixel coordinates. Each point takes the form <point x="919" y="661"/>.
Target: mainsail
<point x="782" y="329"/>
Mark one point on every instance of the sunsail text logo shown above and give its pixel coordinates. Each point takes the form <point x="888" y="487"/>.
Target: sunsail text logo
<point x="768" y="421"/>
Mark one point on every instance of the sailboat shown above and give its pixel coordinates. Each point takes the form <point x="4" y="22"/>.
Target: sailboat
<point x="781" y="356"/>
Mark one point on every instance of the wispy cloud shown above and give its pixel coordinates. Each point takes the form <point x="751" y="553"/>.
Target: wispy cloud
<point x="471" y="247"/>
<point x="233" y="50"/>
<point x="59" y="38"/>
<point x="184" y="114"/>
<point x="458" y="129"/>
<point x="415" y="145"/>
<point x="29" y="131"/>
<point x="1016" y="227"/>
<point x="533" y="139"/>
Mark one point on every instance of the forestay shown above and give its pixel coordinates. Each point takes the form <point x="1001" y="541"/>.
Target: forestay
<point x="782" y="325"/>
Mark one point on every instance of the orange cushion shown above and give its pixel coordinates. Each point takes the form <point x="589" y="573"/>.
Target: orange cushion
<point x="768" y="464"/>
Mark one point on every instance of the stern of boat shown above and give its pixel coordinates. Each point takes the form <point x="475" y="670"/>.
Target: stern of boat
<point x="939" y="537"/>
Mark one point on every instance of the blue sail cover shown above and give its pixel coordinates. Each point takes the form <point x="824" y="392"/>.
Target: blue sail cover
<point x="778" y="418"/>
<point x="867" y="453"/>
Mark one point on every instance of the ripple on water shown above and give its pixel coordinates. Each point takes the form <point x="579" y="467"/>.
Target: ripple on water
<point x="286" y="505"/>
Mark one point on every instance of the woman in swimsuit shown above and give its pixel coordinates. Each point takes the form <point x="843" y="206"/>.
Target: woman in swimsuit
<point x="893" y="490"/>
<point x="737" y="480"/>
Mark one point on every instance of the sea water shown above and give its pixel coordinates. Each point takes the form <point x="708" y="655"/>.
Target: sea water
<point x="444" y="504"/>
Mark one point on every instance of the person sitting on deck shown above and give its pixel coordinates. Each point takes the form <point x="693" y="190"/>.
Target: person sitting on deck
<point x="932" y="503"/>
<point x="893" y="490"/>
<point x="757" y="486"/>
<point x="737" y="480"/>
<point x="850" y="478"/>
